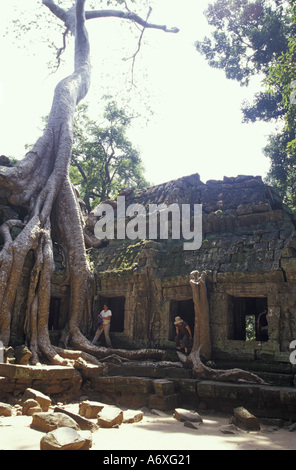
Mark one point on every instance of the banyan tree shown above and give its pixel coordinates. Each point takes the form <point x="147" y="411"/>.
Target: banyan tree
<point x="39" y="184"/>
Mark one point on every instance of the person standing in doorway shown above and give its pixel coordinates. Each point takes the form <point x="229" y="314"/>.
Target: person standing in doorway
<point x="105" y="317"/>
<point x="183" y="333"/>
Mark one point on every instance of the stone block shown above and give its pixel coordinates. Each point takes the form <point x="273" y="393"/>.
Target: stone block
<point x="31" y="407"/>
<point x="43" y="400"/>
<point x="83" y="423"/>
<point x="123" y="384"/>
<point x="5" y="409"/>
<point x="66" y="439"/>
<point x="49" y="379"/>
<point x="164" y="403"/>
<point x="90" y="409"/>
<point x="110" y="416"/>
<point x="163" y="387"/>
<point x="246" y="419"/>
<point x="133" y="400"/>
<point x="182" y="414"/>
<point x="132" y="416"/>
<point x="47" y="422"/>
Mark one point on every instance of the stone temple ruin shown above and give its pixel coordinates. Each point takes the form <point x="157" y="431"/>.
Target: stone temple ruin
<point x="248" y="256"/>
<point x="248" y="253"/>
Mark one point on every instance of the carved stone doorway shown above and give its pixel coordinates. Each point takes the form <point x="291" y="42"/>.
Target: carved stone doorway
<point x="183" y="309"/>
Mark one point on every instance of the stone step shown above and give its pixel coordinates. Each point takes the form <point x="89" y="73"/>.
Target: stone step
<point x="138" y="392"/>
<point x="259" y="366"/>
<point x="149" y="370"/>
<point x="15" y="379"/>
<point x="280" y="375"/>
<point x="280" y="380"/>
<point x="283" y="377"/>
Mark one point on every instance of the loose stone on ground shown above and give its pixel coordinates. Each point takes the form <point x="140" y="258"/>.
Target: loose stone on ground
<point x="46" y="422"/>
<point x="187" y="415"/>
<point x="110" y="417"/>
<point x="5" y="409"/>
<point x="243" y="418"/>
<point x="65" y="438"/>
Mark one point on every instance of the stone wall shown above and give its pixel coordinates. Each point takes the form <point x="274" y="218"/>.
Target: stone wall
<point x="248" y="251"/>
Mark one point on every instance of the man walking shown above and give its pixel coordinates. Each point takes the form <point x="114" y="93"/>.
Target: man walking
<point x="104" y="325"/>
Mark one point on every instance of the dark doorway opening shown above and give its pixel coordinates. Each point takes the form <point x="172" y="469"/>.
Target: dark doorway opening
<point x="183" y="309"/>
<point x="54" y="314"/>
<point x="248" y="320"/>
<point x="116" y="305"/>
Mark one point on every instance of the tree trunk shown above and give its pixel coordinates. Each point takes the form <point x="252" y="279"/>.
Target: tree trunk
<point x="40" y="184"/>
<point x="202" y="332"/>
<point x="201" y="371"/>
<point x="202" y="344"/>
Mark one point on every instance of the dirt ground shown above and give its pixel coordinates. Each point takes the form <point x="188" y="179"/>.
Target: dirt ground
<point x="155" y="433"/>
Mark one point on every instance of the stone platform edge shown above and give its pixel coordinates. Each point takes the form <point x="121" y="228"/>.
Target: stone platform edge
<point x="163" y="393"/>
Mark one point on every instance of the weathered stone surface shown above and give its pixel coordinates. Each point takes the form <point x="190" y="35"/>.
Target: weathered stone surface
<point x="133" y="400"/>
<point x="190" y="425"/>
<point x="31" y="407"/>
<point x="49" y="379"/>
<point x="229" y="429"/>
<point x="245" y="419"/>
<point x="90" y="409"/>
<point x="22" y="355"/>
<point x="187" y="415"/>
<point x="163" y="387"/>
<point x="159" y="413"/>
<point x="43" y="400"/>
<point x="110" y="416"/>
<point x="89" y="371"/>
<point x="83" y="423"/>
<point x="132" y="416"/>
<point x="123" y="384"/>
<point x="5" y="409"/>
<point x="46" y="422"/>
<point x="65" y="438"/>
<point x="165" y="403"/>
<point x="248" y="248"/>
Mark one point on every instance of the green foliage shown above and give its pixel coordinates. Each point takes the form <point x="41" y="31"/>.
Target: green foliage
<point x="253" y="37"/>
<point x="282" y="146"/>
<point x="247" y="36"/>
<point x="104" y="161"/>
<point x="250" y="327"/>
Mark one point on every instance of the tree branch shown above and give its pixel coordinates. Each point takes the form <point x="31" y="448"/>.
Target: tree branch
<point x="92" y="14"/>
<point x="56" y="10"/>
<point x="139" y="47"/>
<point x="127" y="16"/>
<point x="81" y="171"/>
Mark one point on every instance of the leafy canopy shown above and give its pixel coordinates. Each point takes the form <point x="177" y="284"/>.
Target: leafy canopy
<point x="104" y="161"/>
<point x="258" y="37"/>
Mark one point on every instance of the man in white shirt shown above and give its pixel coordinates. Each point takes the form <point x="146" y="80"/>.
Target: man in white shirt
<point x="104" y="325"/>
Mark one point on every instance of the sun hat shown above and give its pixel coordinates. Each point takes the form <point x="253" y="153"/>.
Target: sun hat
<point x="178" y="320"/>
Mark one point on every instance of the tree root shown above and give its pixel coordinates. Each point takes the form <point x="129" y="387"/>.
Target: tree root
<point x="40" y="186"/>
<point x="125" y="354"/>
<point x="203" y="372"/>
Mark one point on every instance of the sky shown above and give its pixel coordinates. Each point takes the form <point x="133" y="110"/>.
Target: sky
<point x="196" y="125"/>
